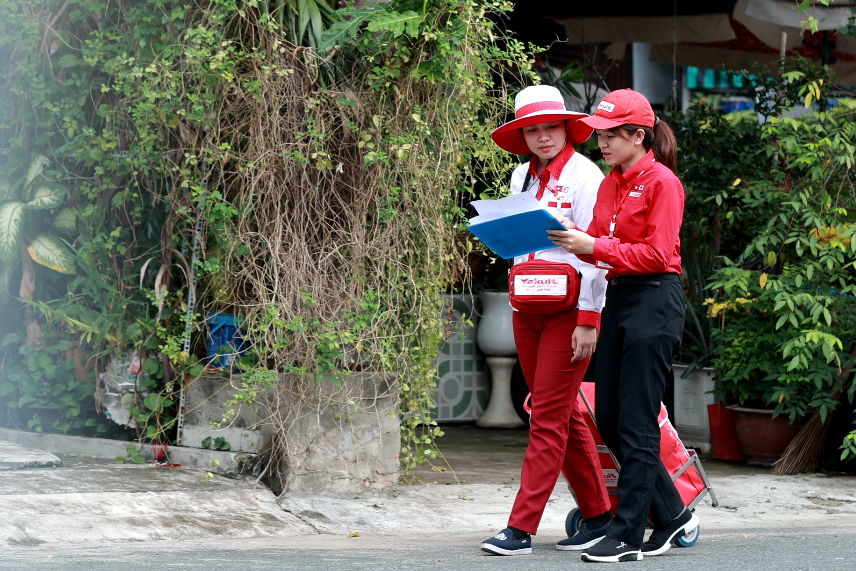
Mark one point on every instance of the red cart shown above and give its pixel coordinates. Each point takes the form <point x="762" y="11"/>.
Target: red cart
<point x="683" y="465"/>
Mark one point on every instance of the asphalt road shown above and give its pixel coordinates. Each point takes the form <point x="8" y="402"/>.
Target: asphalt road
<point x="826" y="548"/>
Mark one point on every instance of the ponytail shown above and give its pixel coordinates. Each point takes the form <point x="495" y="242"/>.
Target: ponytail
<point x="660" y="139"/>
<point x="664" y="144"/>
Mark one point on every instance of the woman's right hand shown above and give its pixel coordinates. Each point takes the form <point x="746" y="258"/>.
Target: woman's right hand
<point x="565" y="222"/>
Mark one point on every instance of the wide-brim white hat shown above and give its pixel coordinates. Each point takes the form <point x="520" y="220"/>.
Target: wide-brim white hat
<point x="539" y="104"/>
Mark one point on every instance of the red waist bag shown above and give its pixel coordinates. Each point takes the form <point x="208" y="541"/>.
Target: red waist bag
<point x="538" y="286"/>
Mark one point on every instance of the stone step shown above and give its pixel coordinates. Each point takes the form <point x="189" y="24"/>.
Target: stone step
<point x="16" y="457"/>
<point x="88" y="501"/>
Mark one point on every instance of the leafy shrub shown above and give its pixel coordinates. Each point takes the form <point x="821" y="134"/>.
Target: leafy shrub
<point x="799" y="265"/>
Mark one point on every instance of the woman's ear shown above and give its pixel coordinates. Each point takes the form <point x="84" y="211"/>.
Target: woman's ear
<point x="639" y="137"/>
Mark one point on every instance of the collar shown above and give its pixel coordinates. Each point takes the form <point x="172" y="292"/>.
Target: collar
<point x="643" y="164"/>
<point x="556" y="165"/>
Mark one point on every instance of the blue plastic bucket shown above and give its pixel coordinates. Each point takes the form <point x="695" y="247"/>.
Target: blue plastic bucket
<point x="224" y="340"/>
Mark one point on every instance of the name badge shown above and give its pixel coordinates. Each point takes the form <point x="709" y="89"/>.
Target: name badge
<point x="602" y="265"/>
<point x="635" y="194"/>
<point x="536" y="284"/>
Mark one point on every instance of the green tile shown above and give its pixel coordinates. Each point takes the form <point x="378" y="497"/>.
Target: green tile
<point x="459" y="409"/>
<point x="482" y="398"/>
<point x="443" y="368"/>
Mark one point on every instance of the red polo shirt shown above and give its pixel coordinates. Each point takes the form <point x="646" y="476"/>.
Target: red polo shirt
<point x="649" y="202"/>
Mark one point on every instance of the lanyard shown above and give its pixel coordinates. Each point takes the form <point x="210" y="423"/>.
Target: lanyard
<point x="620" y="204"/>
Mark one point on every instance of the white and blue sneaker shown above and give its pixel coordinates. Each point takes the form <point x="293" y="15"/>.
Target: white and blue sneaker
<point x="503" y="543"/>
<point x="584" y="538"/>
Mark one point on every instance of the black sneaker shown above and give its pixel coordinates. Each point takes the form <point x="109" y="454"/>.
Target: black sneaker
<point x="611" y="550"/>
<point x="503" y="543"/>
<point x="584" y="538"/>
<point x="661" y="539"/>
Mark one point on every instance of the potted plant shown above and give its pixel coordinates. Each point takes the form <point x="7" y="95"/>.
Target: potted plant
<point x="771" y="388"/>
<point x="769" y="197"/>
<point x="715" y="151"/>
<point x="749" y="365"/>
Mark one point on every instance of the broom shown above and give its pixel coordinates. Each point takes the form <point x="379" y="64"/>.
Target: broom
<point x="803" y="453"/>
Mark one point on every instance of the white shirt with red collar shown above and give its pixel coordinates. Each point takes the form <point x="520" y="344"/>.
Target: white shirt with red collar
<point x="573" y="194"/>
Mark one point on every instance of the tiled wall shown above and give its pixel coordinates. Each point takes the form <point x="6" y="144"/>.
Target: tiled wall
<point x="463" y="390"/>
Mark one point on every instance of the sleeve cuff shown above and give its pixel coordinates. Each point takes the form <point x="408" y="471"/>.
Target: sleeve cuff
<point x="588" y="318"/>
<point x="601" y="250"/>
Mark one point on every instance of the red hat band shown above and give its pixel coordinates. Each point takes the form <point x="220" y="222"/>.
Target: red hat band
<point x="538" y="106"/>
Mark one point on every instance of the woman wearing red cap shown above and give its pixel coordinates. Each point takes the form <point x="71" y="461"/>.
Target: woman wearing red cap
<point x="555" y="348"/>
<point x="634" y="236"/>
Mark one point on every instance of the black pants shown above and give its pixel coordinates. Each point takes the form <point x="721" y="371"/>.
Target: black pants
<point x="641" y="327"/>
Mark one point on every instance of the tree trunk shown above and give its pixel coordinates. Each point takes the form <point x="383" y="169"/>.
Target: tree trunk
<point x="35" y="336"/>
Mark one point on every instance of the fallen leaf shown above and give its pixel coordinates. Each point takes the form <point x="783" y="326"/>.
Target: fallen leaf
<point x="438" y="468"/>
<point x="353" y="534"/>
<point x="469" y="499"/>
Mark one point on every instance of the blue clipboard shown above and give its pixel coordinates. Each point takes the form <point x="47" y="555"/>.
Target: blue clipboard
<point x="518" y="234"/>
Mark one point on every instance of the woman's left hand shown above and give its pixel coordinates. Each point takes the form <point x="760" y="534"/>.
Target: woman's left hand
<point x="572" y="241"/>
<point x="583" y="342"/>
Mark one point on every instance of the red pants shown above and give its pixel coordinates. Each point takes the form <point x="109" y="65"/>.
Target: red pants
<point x="559" y="438"/>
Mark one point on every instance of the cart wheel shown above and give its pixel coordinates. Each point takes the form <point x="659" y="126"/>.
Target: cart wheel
<point x="689" y="539"/>
<point x="573" y="522"/>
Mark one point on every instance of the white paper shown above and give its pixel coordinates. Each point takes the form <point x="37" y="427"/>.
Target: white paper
<point x="507" y="206"/>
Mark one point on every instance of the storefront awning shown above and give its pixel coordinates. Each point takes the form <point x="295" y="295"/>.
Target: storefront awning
<point x="648" y="30"/>
<point x="751" y="32"/>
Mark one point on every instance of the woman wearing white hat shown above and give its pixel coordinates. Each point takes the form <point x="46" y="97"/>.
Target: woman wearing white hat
<point x="555" y="348"/>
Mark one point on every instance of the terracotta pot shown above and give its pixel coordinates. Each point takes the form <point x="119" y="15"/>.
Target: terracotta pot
<point x="762" y="438"/>
<point x="723" y="435"/>
<point x="80" y="370"/>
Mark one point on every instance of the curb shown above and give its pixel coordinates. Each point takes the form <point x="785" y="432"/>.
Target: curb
<point x="231" y="464"/>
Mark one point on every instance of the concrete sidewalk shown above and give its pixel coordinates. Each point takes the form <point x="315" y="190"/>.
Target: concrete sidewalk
<point x="87" y="501"/>
<point x="477" y="489"/>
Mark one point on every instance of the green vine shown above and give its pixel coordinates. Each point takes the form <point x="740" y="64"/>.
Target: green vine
<point x="328" y="182"/>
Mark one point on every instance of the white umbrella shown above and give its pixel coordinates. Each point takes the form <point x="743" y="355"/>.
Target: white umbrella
<point x="767" y="19"/>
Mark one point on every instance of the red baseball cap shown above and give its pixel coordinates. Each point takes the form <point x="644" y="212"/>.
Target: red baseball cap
<point x="621" y="107"/>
